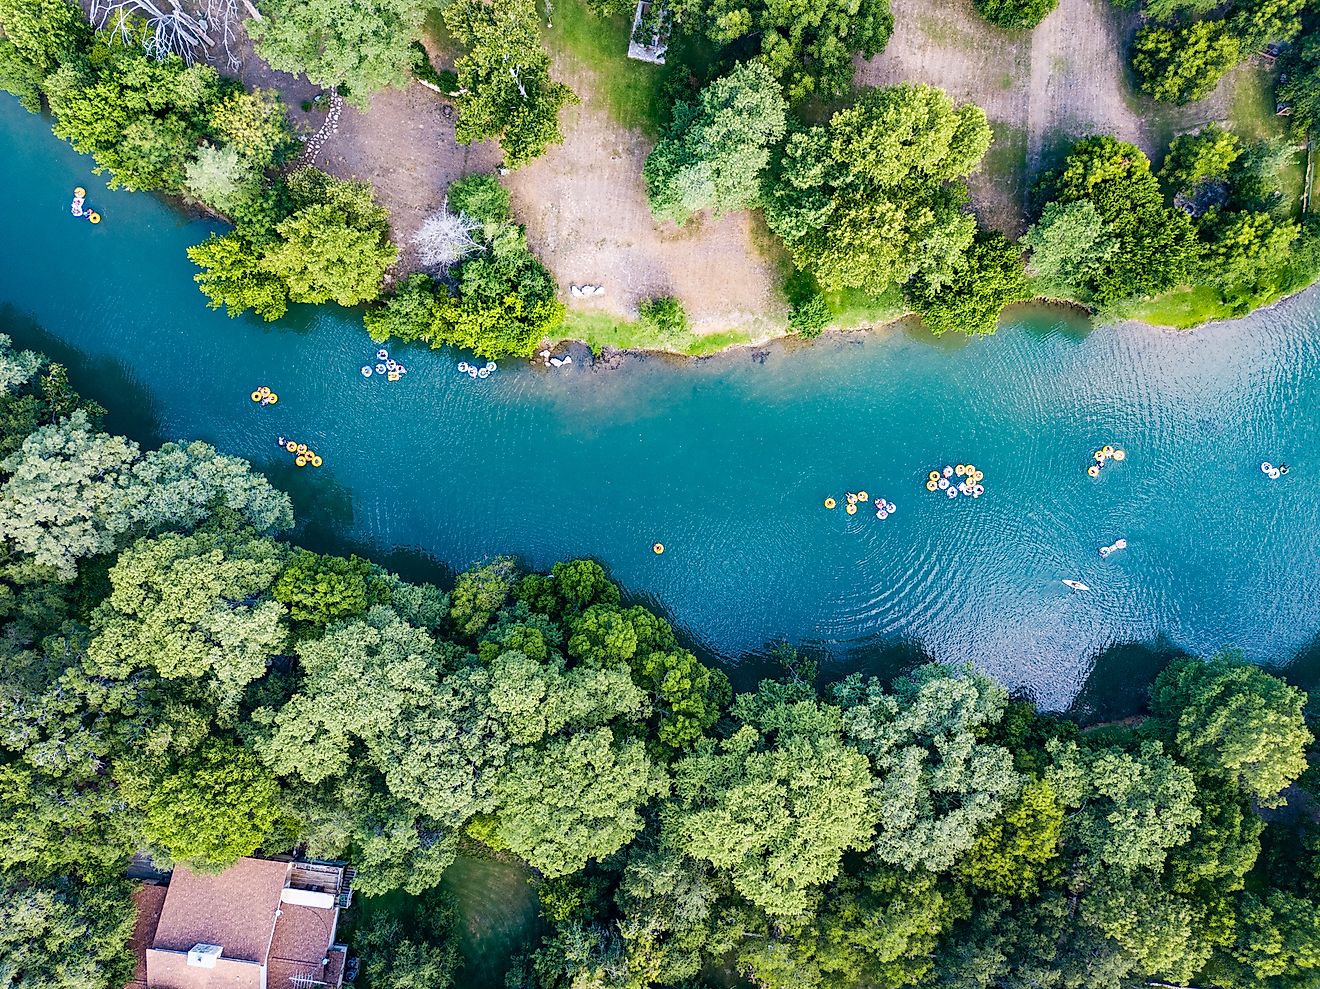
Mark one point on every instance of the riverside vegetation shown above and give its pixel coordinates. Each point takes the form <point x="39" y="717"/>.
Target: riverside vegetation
<point x="869" y="203"/>
<point x="178" y="678"/>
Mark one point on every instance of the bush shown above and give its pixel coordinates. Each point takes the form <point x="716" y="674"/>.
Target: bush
<point x="809" y="316"/>
<point x="1015" y="14"/>
<point x="665" y="315"/>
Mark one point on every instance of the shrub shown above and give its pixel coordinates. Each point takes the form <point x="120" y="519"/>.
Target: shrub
<point x="665" y="315"/>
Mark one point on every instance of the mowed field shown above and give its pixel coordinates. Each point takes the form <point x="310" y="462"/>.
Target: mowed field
<point x="584" y="202"/>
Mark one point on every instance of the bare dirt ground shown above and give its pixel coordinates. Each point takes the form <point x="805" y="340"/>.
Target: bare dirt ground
<point x="584" y="204"/>
<point x="1064" y="80"/>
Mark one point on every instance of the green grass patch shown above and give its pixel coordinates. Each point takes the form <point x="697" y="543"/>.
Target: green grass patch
<point x="498" y="916"/>
<point x="713" y="343"/>
<point x="1181" y="308"/>
<point x="629" y="89"/>
<point x="601" y="330"/>
<point x="1251" y="104"/>
<point x="854" y="309"/>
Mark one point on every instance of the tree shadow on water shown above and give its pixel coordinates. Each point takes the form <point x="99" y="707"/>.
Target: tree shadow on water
<point x="132" y="409"/>
<point x="1118" y="685"/>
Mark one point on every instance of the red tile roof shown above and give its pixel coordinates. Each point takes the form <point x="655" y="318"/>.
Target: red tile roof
<point x="235" y="909"/>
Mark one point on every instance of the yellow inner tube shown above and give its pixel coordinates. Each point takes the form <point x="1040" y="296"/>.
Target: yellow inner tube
<point x="1093" y="470"/>
<point x="658" y="548"/>
<point x="960" y="470"/>
<point x="301" y="448"/>
<point x="934" y="475"/>
<point x="316" y="461"/>
<point x="94" y="217"/>
<point x="256" y="396"/>
<point x="301" y="461"/>
<point x="1107" y="450"/>
<point x="851" y="509"/>
<point x="80" y="192"/>
<point x="971" y="468"/>
<point x="1120" y="454"/>
<point x="863" y="496"/>
<point x="272" y="398"/>
<point x="829" y="502"/>
<point x="932" y="485"/>
<point x="291" y="446"/>
<point x="978" y="477"/>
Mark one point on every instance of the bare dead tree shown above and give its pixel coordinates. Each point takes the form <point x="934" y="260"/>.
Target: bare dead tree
<point x="167" y="28"/>
<point x="445" y="239"/>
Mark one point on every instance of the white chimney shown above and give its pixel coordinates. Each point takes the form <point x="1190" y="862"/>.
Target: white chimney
<point x="204" y="955"/>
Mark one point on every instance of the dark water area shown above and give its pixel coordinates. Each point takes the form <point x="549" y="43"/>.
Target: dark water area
<point x="727" y="460"/>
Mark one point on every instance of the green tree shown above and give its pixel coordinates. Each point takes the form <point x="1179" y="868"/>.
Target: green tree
<point x="777" y="815"/>
<point x="504" y="79"/>
<point x="875" y="196"/>
<point x="1184" y="64"/>
<point x="1248" y="251"/>
<point x="715" y="150"/>
<point x="215" y="806"/>
<point x="665" y="316"/>
<point x="1015" y="15"/>
<point x="808" y="45"/>
<point x="1070" y="245"/>
<point x="479" y="593"/>
<point x="320" y="589"/>
<point x="1299" y="84"/>
<point x="939" y="783"/>
<point x="64" y="934"/>
<point x="191" y="607"/>
<point x="363" y="47"/>
<point x="1229" y="717"/>
<point x="575" y="799"/>
<point x="254" y="124"/>
<point x="1194" y="158"/>
<point x="1019" y="850"/>
<point x="393" y="960"/>
<point x="989" y="277"/>
<point x="1152" y="246"/>
<point x="39" y="36"/>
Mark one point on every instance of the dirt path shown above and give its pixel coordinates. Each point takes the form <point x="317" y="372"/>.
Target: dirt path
<point x="585" y="208"/>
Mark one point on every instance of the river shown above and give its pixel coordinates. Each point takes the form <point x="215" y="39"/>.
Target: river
<point x="727" y="461"/>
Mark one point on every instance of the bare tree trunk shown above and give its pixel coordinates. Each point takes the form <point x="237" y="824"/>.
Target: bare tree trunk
<point x="252" y="10"/>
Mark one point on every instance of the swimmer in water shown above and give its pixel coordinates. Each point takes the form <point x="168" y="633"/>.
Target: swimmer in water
<point x="281" y="441"/>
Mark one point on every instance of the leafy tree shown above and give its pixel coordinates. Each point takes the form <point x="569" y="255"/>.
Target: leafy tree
<point x="215" y="806"/>
<point x="809" y="316"/>
<point x="1184" y="64"/>
<point x="989" y="277"/>
<point x="408" y="312"/>
<point x="874" y="197"/>
<point x="142" y="120"/>
<point x="479" y="593"/>
<point x="1299" y="84"/>
<point x="362" y="47"/>
<point x="393" y="960"/>
<point x="72" y="493"/>
<point x="504" y="79"/>
<point x="34" y="393"/>
<point x="190" y="607"/>
<point x="39" y="36"/>
<point x="1228" y="717"/>
<point x="1248" y="251"/>
<point x="687" y="695"/>
<point x="1153" y="246"/>
<point x="64" y="934"/>
<point x="334" y="246"/>
<point x="575" y="799"/>
<point x="1125" y="810"/>
<point x="1069" y="246"/>
<point x="579" y="584"/>
<point x="254" y="124"/>
<point x="939" y="784"/>
<point x="808" y="45"/>
<point x="715" y="149"/>
<point x="1194" y="158"/>
<point x="1019" y="850"/>
<point x="482" y="198"/>
<point x="1015" y="14"/>
<point x="320" y="589"/>
<point x="776" y="814"/>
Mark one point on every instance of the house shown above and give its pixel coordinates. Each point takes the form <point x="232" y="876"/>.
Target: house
<point x="260" y="924"/>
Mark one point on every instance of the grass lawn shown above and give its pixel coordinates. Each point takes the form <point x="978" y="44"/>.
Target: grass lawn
<point x="600" y="330"/>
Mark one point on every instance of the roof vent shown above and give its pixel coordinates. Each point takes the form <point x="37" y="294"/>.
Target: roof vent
<point x="204" y="955"/>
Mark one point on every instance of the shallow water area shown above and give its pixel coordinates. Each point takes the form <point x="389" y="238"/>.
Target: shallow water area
<point x="727" y="461"/>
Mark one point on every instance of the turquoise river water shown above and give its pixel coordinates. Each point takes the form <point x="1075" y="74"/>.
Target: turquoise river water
<point x="726" y="461"/>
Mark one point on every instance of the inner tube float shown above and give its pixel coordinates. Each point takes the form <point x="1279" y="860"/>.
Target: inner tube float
<point x="932" y="485"/>
<point x="301" y="461"/>
<point x="960" y="470"/>
<point x="882" y="514"/>
<point x="1093" y="470"/>
<point x="382" y="354"/>
<point x="380" y="368"/>
<point x="934" y="475"/>
<point x="301" y="448"/>
<point x="94" y="216"/>
<point x="490" y="365"/>
<point x="1120" y="454"/>
<point x="392" y="376"/>
<point x="291" y="446"/>
<point x="863" y="496"/>
<point x="366" y="371"/>
<point x="1274" y="473"/>
<point x="851" y="509"/>
<point x="79" y="192"/>
<point x="829" y="503"/>
<point x="952" y="492"/>
<point x="316" y="460"/>
<point x="1099" y="456"/>
<point x="483" y="373"/>
<point x="391" y="365"/>
<point x="978" y="491"/>
<point x="948" y="471"/>
<point x="978" y="476"/>
<point x="1107" y="450"/>
<point x="658" y="548"/>
<point x="942" y="483"/>
<point x="1266" y="467"/>
<point x="271" y="399"/>
<point x="890" y="507"/>
<point x="256" y="396"/>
